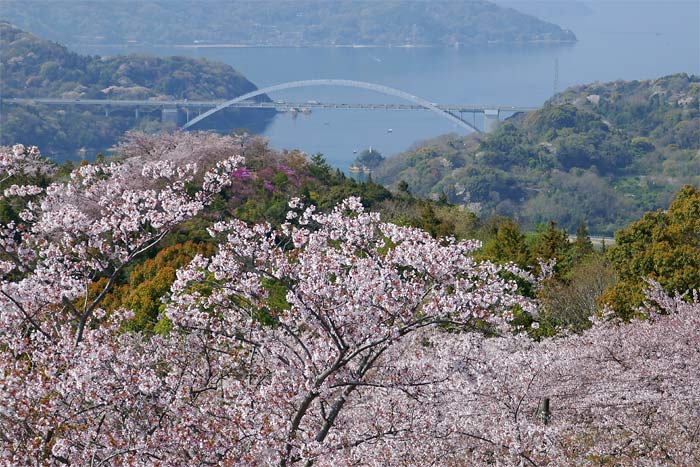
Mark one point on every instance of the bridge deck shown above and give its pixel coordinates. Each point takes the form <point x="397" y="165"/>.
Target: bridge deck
<point x="278" y="105"/>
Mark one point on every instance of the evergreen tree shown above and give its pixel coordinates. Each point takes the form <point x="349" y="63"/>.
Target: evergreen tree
<point x="431" y="223"/>
<point x="554" y="244"/>
<point x="508" y="244"/>
<point x="582" y="246"/>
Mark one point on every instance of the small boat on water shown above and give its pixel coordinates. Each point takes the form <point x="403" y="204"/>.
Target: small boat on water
<point x="389" y="130"/>
<point x="359" y="169"/>
<point x="355" y="169"/>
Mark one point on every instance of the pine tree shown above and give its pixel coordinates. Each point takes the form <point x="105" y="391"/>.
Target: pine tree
<point x="582" y="246"/>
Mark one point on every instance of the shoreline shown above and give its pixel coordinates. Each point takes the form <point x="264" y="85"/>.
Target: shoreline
<point x="338" y="46"/>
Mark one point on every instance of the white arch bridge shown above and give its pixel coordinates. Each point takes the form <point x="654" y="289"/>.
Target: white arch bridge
<point x="170" y="109"/>
<point x="452" y="113"/>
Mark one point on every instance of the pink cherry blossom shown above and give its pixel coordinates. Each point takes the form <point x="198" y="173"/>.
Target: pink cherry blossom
<point x="336" y="340"/>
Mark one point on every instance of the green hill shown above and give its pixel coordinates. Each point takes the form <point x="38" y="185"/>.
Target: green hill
<point x="34" y="67"/>
<point x="602" y="153"/>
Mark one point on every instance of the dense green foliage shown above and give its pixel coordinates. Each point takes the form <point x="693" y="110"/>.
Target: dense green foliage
<point x="33" y="67"/>
<point x="148" y="282"/>
<point x="663" y="246"/>
<point x="603" y="154"/>
<point x="283" y="23"/>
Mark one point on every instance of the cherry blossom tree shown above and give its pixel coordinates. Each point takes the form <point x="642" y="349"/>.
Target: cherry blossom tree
<point x="308" y="323"/>
<point x="617" y="394"/>
<point x="628" y="393"/>
<point x="70" y="235"/>
<point x="270" y="341"/>
<point x="336" y="339"/>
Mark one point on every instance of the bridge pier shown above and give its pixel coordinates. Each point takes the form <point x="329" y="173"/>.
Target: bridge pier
<point x="491" y="120"/>
<point x="172" y="115"/>
<point x="473" y="112"/>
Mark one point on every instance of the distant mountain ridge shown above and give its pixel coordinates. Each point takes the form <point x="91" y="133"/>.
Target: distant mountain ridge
<point x="282" y="22"/>
<point x="549" y="10"/>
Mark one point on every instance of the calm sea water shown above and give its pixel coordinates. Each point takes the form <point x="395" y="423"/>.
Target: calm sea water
<point x="617" y="40"/>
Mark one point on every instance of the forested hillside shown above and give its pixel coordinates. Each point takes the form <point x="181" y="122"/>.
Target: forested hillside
<point x="602" y="153"/>
<point x="34" y="67"/>
<point x="283" y="23"/>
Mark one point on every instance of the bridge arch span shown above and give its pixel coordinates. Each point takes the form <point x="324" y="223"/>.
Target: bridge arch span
<point x="337" y="82"/>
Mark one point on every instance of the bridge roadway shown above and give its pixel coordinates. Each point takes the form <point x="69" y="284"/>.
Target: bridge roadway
<point x="452" y="113"/>
<point x="278" y="105"/>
